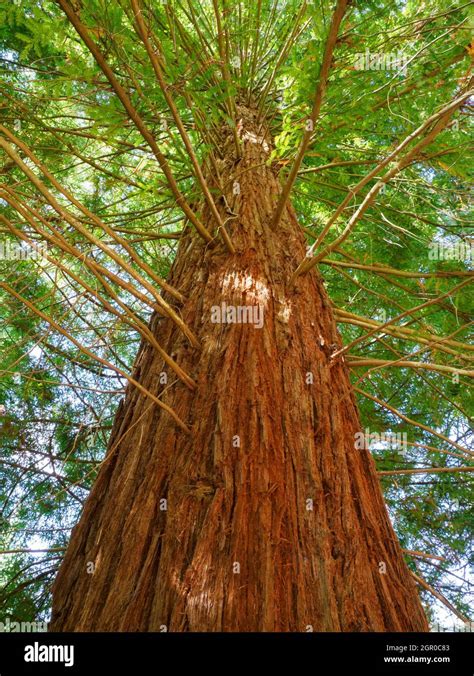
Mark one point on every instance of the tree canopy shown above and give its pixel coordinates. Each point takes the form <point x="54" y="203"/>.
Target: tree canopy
<point x="109" y="112"/>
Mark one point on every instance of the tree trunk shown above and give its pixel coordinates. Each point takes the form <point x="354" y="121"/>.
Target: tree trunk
<point x="266" y="517"/>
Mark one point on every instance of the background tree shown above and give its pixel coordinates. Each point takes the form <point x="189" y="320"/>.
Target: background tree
<point x="144" y="142"/>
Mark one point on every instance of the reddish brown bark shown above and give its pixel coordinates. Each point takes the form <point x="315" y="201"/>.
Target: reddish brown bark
<point x="267" y="444"/>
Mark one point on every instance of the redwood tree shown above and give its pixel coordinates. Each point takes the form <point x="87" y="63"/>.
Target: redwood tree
<point x="234" y="494"/>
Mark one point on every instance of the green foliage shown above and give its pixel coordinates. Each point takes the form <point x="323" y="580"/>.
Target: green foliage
<point x="59" y="402"/>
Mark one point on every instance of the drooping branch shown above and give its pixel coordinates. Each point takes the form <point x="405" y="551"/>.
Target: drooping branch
<point x="57" y="239"/>
<point x="439" y="121"/>
<point x="224" y="60"/>
<point x="158" y="69"/>
<point x="439" y="596"/>
<point x="426" y="470"/>
<point x="410" y="421"/>
<point x="90" y="354"/>
<point x="443" y="344"/>
<point x="387" y="270"/>
<point x="74" y="222"/>
<point x="136" y="118"/>
<point x="440" y="368"/>
<point x="423" y="555"/>
<point x="318" y="99"/>
<point x="392" y="321"/>
<point x="129" y="317"/>
<point x="32" y="551"/>
<point x="99" y="223"/>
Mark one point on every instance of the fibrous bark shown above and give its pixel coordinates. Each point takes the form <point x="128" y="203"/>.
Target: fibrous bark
<point x="266" y="517"/>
